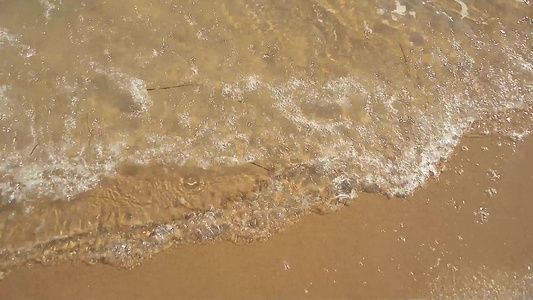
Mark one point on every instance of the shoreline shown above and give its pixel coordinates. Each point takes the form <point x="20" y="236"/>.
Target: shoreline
<point x="449" y="239"/>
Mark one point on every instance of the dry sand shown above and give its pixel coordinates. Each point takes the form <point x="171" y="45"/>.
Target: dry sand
<point x="448" y="240"/>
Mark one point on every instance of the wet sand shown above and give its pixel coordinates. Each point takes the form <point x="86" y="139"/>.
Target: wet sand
<point x="450" y="239"/>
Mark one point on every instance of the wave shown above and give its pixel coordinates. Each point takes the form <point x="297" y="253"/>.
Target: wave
<point x="124" y="135"/>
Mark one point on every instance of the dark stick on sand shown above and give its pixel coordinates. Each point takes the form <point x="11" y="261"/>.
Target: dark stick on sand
<point x="173" y="86"/>
<point x="404" y="56"/>
<point x="260" y="166"/>
<point x="34" y="147"/>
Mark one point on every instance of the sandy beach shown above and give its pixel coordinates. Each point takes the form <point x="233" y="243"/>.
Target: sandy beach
<point x="266" y="149"/>
<point x="449" y="240"/>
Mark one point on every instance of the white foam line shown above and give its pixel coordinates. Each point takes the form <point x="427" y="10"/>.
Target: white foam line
<point x="133" y="85"/>
<point x="400" y="9"/>
<point x="464" y="9"/>
<point x="47" y="8"/>
<point x="13" y="41"/>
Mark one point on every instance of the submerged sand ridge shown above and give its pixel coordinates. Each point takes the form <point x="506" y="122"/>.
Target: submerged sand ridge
<point x="276" y="111"/>
<point x="150" y="208"/>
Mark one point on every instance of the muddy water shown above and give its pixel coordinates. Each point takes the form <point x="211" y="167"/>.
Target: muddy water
<point x="128" y="126"/>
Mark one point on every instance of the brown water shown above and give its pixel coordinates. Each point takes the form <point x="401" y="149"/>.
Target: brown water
<point x="128" y="127"/>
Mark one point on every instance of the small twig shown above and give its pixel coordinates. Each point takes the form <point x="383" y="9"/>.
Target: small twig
<point x="173" y="86"/>
<point x="474" y="135"/>
<point x="404" y="56"/>
<point x="34" y="147"/>
<point x="260" y="166"/>
<point x="89" y="129"/>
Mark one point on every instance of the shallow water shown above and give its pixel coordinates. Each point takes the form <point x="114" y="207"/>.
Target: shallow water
<point x="128" y="127"/>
